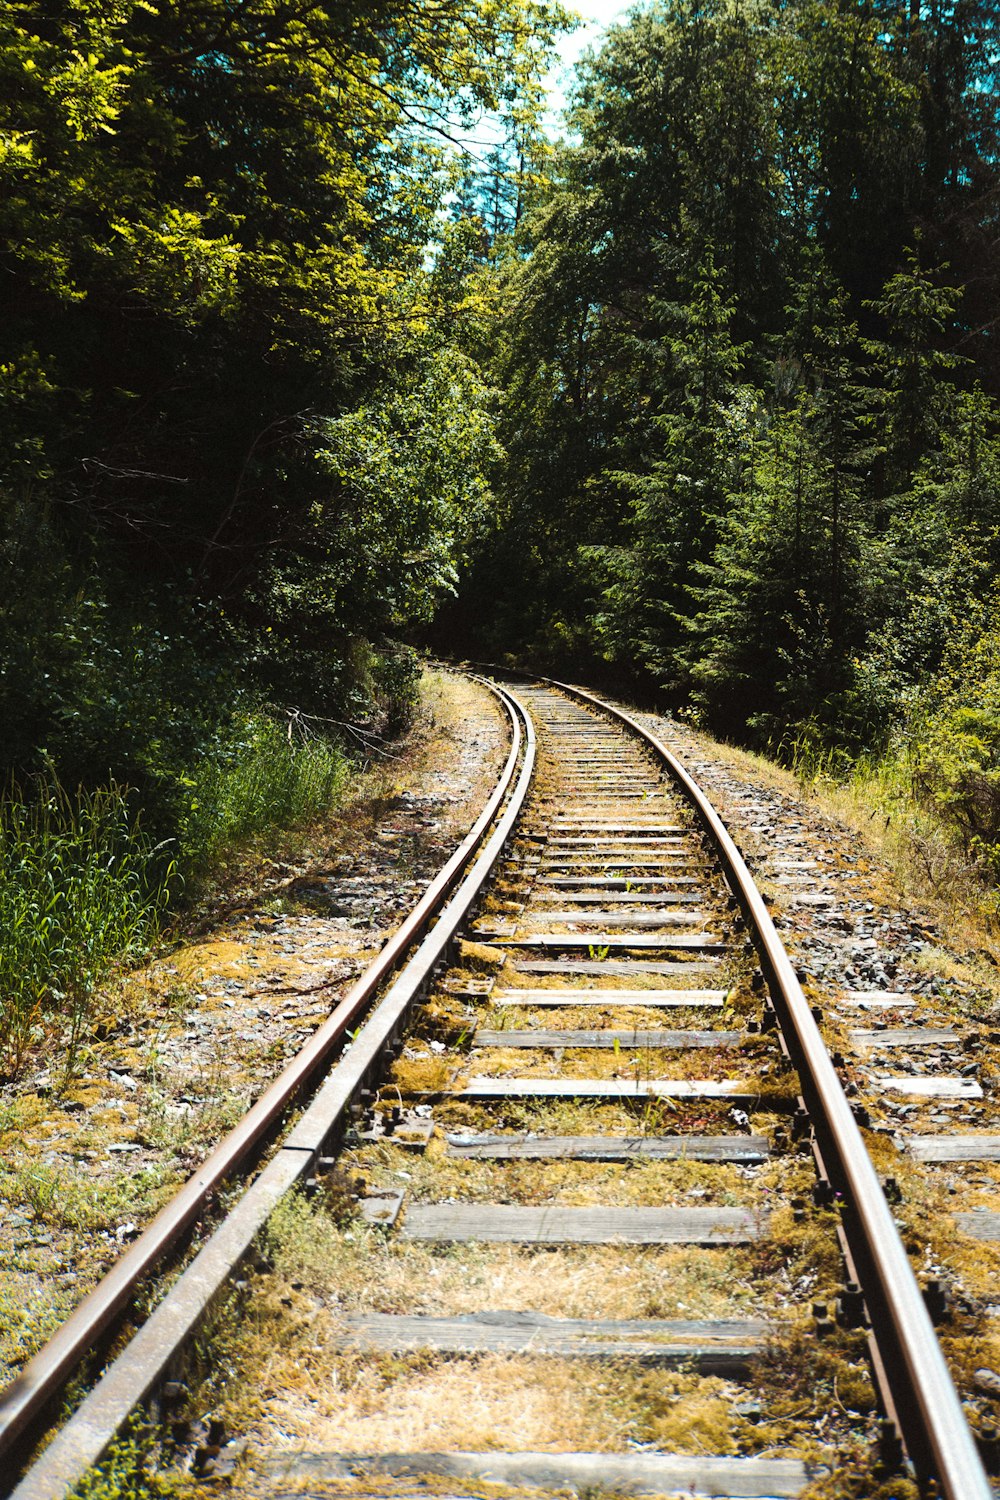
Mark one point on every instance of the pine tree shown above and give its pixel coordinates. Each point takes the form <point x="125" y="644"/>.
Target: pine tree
<point x="677" y="504"/>
<point x="782" y="598"/>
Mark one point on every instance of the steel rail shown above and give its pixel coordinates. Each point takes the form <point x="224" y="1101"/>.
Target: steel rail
<point x="25" y="1400"/>
<point x="927" y="1407"/>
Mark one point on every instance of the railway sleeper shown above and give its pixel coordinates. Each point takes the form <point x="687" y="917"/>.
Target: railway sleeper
<point x="521" y="1223"/>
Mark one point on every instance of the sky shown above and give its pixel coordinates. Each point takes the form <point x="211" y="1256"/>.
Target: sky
<point x="597" y="16"/>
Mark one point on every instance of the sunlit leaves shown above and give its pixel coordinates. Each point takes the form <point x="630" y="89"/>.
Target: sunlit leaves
<point x="408" y="491"/>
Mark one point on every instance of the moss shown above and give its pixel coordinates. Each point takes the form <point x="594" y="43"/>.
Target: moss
<point x="130" y="1471"/>
<point x="86" y="1095"/>
<point x="418" y="1075"/>
<point x="682" y="1414"/>
<point x="480" y="957"/>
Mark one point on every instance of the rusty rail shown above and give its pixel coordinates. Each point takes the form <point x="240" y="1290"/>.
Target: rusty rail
<point x="134" y="1374"/>
<point x="916" y="1383"/>
<point x="913" y="1376"/>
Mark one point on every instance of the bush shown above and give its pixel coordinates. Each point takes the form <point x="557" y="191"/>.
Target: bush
<point x="267" y="776"/>
<point x="81" y="889"/>
<point x="84" y="889"/>
<point x="957" y="771"/>
<point x="956" y="752"/>
<point x="394" y="684"/>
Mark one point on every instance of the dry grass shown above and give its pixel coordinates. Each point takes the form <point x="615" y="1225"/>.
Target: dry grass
<point x="628" y="1065"/>
<point x="913" y="857"/>
<point x="437" y="1176"/>
<point x="755" y="1065"/>
<point x="293" y="1383"/>
<point x="304" y="1389"/>
<point x="180" y="1046"/>
<point x="362" y="1269"/>
<point x="368" y="1482"/>
<point x="630" y="1016"/>
<point x="421" y="1404"/>
<point x="600" y="1117"/>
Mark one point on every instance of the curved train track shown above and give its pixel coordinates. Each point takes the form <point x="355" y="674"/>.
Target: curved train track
<point x="612" y="1063"/>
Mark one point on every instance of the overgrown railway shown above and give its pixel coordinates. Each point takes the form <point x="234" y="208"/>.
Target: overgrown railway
<point x="599" y="1155"/>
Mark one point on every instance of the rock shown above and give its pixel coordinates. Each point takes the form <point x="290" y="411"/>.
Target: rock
<point x="987" y="1381"/>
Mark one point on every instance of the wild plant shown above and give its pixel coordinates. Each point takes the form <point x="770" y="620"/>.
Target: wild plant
<point x="81" y="890"/>
<point x="811" y="759"/>
<point x="270" y="776"/>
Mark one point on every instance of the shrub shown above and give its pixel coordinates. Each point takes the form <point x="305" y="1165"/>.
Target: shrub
<point x="957" y="771"/>
<point x="267" y="776"/>
<point x="81" y="889"/>
<point x="956" y="753"/>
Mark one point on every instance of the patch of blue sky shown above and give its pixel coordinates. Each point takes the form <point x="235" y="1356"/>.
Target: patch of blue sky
<point x="595" y="18"/>
<point x="476" y="138"/>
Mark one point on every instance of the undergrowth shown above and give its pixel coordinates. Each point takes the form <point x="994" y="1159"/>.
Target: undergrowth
<point x="84" y="891"/>
<point x="931" y="794"/>
<point x="81" y="889"/>
<point x="886" y="798"/>
<point x="130" y="1471"/>
<point x="268" y="776"/>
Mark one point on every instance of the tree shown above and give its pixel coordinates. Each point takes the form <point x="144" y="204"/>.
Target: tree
<point x="214" y="220"/>
<point x="679" y="502"/>
<point x="912" y="364"/>
<point x="730" y="387"/>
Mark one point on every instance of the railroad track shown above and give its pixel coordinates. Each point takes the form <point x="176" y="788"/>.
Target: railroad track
<point x="616" y="1124"/>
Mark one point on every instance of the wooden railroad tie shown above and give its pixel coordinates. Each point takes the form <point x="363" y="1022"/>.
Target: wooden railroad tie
<point x="626" y="1041"/>
<point x="625" y="1473"/>
<point x="720" y="1347"/>
<point x="612" y="999"/>
<point x="531" y="1147"/>
<point x="617" y="1088"/>
<point x="503" y="1223"/>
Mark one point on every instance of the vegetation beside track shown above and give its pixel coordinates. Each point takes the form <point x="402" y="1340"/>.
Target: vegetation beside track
<point x="241" y="452"/>
<point x="286" y="373"/>
<point x="85" y="891"/>
<point x="170" y="1055"/>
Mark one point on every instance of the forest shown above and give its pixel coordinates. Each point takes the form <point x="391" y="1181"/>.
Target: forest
<point x="700" y="399"/>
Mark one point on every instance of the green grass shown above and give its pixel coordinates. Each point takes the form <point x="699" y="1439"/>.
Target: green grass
<point x="269" y="778"/>
<point x="131" y="1470"/>
<point x="84" y="891"/>
<point x="915" y="833"/>
<point x="64" y="1200"/>
<point x="81" y="889"/>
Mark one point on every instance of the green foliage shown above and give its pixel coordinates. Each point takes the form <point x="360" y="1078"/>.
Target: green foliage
<point x="130" y="1471"/>
<point x="241" y="452"/>
<point x="84" y="890"/>
<point x="910" y="363"/>
<point x="407" y="490"/>
<point x="678" y="503"/>
<point x="64" y="1199"/>
<point x="266" y="777"/>
<point x="746" y="453"/>
<point x="220" y="216"/>
<point x="956" y="750"/>
<point x="229" y="395"/>
<point x="782" y="602"/>
<point x="81" y="889"/>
